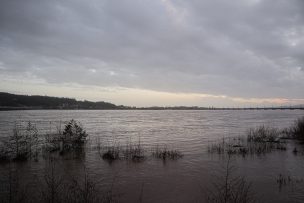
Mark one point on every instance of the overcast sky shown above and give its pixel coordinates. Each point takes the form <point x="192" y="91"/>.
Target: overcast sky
<point x="155" y="52"/>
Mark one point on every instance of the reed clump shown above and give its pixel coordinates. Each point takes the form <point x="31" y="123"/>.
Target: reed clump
<point x="164" y="154"/>
<point x="112" y="153"/>
<point x="134" y="151"/>
<point x="244" y="147"/>
<point x="287" y="181"/>
<point x="219" y="147"/>
<point x="131" y="151"/>
<point x="263" y="134"/>
<point x="298" y="129"/>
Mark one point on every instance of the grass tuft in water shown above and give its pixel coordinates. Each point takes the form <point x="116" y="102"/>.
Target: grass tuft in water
<point x="134" y="151"/>
<point x="112" y="153"/>
<point x="165" y="154"/>
<point x="298" y="129"/>
<point x="239" y="146"/>
<point x="229" y="187"/>
<point x="263" y="134"/>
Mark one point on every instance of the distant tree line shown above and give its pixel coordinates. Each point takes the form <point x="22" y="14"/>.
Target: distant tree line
<point x="13" y="101"/>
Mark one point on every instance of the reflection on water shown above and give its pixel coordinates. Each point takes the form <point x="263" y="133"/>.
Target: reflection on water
<point x="190" y="132"/>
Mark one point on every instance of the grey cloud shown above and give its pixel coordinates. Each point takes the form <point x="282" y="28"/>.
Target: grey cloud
<point x="244" y="48"/>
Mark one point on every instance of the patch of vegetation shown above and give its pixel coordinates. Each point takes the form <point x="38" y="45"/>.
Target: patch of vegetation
<point x="229" y="188"/>
<point x="12" y="189"/>
<point x="22" y="144"/>
<point x="263" y="134"/>
<point x="52" y="142"/>
<point x="131" y="151"/>
<point x="73" y="132"/>
<point x="112" y="153"/>
<point x="287" y="180"/>
<point x="260" y="140"/>
<point x="298" y="129"/>
<point x="238" y="146"/>
<point x="134" y="151"/>
<point x="83" y="190"/>
<point x="165" y="154"/>
<point x="71" y="138"/>
<point x="4" y="154"/>
<point x="57" y="186"/>
<point x="54" y="184"/>
<point x="218" y="147"/>
<point x="25" y="142"/>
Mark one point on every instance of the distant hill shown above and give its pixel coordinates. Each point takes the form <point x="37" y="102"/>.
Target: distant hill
<point x="12" y="101"/>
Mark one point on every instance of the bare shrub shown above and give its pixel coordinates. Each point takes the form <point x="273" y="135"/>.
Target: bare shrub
<point x="165" y="153"/>
<point x="241" y="146"/>
<point x="31" y="136"/>
<point x="11" y="188"/>
<point x="22" y="144"/>
<point x="262" y="134"/>
<point x="72" y="137"/>
<point x="230" y="188"/>
<point x="134" y="151"/>
<point x="83" y="190"/>
<point x="18" y="144"/>
<point x="54" y="184"/>
<point x="112" y="153"/>
<point x="298" y="129"/>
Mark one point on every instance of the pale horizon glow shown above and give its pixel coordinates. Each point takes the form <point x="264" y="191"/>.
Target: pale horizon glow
<point x="139" y="97"/>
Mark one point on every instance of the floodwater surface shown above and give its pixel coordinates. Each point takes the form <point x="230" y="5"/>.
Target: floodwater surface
<point x="184" y="180"/>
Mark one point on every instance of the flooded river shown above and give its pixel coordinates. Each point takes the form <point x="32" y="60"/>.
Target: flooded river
<point x="183" y="180"/>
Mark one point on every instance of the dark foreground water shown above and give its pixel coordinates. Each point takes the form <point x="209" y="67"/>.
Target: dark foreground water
<point x="183" y="180"/>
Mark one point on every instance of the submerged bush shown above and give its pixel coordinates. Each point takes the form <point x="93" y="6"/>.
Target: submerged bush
<point x="262" y="134"/>
<point x="24" y="142"/>
<point x="131" y="151"/>
<point x="230" y="188"/>
<point x="21" y="144"/>
<point x="12" y="189"/>
<point x="3" y="154"/>
<point x="298" y="129"/>
<point x="31" y="134"/>
<point x="72" y="137"/>
<point x="244" y="147"/>
<point x="134" y="151"/>
<point x="74" y="132"/>
<point x="111" y="154"/>
<point x="54" y="183"/>
<point x="165" y="154"/>
<point x="17" y="145"/>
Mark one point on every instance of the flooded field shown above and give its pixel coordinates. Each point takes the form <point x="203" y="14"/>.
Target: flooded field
<point x="274" y="177"/>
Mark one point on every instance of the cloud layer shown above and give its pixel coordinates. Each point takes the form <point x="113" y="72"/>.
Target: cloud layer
<point x="241" y="48"/>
